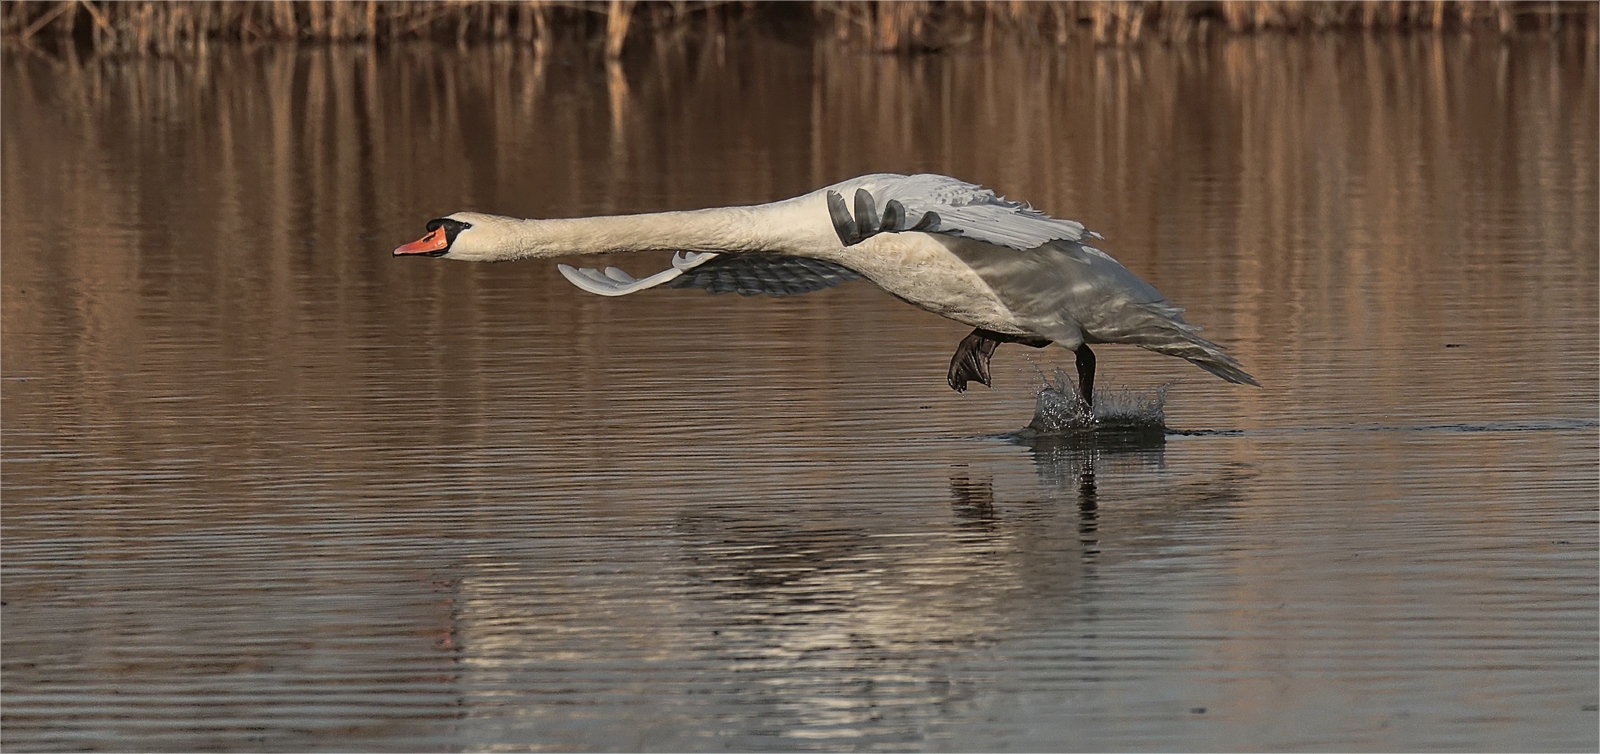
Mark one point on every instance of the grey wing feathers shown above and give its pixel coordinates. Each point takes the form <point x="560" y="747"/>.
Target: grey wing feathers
<point x="967" y="210"/>
<point x="1013" y="227"/>
<point x="752" y="274"/>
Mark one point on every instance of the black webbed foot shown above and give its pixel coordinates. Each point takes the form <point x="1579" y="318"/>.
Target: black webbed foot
<point x="971" y="360"/>
<point x="865" y="223"/>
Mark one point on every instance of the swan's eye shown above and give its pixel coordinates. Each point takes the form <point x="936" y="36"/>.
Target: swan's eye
<point x="452" y="228"/>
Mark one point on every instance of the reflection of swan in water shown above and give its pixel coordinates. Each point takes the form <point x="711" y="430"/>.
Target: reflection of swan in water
<point x="1069" y="461"/>
<point x="811" y="619"/>
<point x="974" y="506"/>
<point x="947" y="246"/>
<point x="860" y="620"/>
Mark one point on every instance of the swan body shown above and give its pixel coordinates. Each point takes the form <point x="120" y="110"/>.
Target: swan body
<point x="953" y="248"/>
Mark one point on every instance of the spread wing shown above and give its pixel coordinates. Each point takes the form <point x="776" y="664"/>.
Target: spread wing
<point x="859" y="208"/>
<point x="745" y="274"/>
<point x="887" y="203"/>
<point x="750" y="274"/>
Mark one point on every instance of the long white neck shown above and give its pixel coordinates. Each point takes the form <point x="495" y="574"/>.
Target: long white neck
<point x="765" y="227"/>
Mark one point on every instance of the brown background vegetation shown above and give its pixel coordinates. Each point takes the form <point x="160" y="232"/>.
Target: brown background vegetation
<point x="168" y="27"/>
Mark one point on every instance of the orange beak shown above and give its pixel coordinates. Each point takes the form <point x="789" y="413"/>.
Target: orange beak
<point x="434" y="244"/>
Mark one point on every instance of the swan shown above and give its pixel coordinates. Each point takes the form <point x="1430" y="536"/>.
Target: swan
<point x="950" y="247"/>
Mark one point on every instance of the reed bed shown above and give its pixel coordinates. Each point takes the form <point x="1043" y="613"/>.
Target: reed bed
<point x="909" y="26"/>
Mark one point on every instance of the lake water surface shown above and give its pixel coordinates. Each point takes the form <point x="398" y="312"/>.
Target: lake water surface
<point x="266" y="487"/>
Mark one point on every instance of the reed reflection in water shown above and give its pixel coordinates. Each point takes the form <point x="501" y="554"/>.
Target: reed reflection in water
<point x="266" y="487"/>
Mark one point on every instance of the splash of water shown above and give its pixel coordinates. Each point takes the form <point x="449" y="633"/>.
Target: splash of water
<point x="1058" y="411"/>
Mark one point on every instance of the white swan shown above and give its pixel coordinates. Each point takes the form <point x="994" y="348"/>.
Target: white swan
<point x="947" y="246"/>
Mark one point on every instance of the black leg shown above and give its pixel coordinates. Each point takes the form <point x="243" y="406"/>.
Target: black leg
<point x="1086" y="374"/>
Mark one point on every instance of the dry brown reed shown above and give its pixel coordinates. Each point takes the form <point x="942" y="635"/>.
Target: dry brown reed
<point x="914" y="25"/>
<point x="168" y="27"/>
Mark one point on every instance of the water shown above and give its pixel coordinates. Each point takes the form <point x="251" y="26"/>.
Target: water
<point x="1059" y="411"/>
<point x="266" y="488"/>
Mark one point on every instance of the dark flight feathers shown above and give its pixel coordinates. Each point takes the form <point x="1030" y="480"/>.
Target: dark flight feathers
<point x="752" y="274"/>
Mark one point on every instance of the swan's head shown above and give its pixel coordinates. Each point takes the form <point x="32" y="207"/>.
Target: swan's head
<point x="464" y="235"/>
